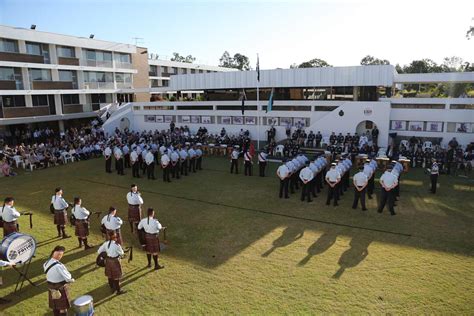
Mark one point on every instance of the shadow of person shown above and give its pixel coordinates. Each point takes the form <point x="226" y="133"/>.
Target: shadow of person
<point x="354" y="255"/>
<point x="323" y="243"/>
<point x="289" y="235"/>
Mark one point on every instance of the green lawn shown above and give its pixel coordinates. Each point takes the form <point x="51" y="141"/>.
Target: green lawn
<point x="234" y="247"/>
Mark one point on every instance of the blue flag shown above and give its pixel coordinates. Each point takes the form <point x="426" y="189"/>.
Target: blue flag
<point x="270" y="101"/>
<point x="258" y="69"/>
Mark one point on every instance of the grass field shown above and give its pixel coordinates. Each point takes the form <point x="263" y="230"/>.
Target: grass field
<point x="235" y="248"/>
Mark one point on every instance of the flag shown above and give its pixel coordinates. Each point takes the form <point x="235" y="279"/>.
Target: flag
<point x="258" y="69"/>
<point x="243" y="97"/>
<point x="270" y="101"/>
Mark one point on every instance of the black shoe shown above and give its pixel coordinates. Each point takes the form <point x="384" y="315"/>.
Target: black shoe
<point x="370" y="197"/>
<point x="88" y="247"/>
<point x="379" y="211"/>
<point x="393" y="213"/>
<point x="364" y="209"/>
<point x="66" y="236"/>
<point x="4" y="301"/>
<point x="354" y="207"/>
<point x="287" y="197"/>
<point x="149" y="265"/>
<point x="158" y="267"/>
<point x="120" y="292"/>
<point x="310" y="201"/>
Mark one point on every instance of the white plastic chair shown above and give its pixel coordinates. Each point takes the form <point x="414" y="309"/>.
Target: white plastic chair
<point x="66" y="157"/>
<point x="426" y="145"/>
<point x="279" y="150"/>
<point x="325" y="141"/>
<point x="19" y="161"/>
<point x="404" y="143"/>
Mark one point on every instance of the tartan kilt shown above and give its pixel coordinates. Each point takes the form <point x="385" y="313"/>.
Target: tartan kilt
<point x="60" y="217"/>
<point x="113" y="268"/>
<point x="152" y="243"/>
<point x="117" y="233"/>
<point x="134" y="213"/>
<point x="65" y="301"/>
<point x="9" y="227"/>
<point x="82" y="228"/>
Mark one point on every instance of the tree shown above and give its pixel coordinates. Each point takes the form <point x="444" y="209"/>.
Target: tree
<point x="188" y="59"/>
<point x="238" y="61"/>
<point x="314" y="63"/>
<point x="422" y="66"/>
<point x="454" y="63"/>
<point x="371" y="60"/>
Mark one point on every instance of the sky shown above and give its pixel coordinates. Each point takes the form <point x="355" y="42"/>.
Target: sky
<point x="341" y="32"/>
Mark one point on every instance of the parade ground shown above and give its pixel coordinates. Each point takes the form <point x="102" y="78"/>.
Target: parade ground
<point x="234" y="247"/>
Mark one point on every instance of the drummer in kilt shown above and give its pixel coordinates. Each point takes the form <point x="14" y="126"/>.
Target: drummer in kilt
<point x="111" y="223"/>
<point x="113" y="267"/>
<point x="9" y="216"/>
<point x="58" y="278"/>
<point x="81" y="214"/>
<point x="135" y="202"/>
<point x="150" y="228"/>
<point x="59" y="207"/>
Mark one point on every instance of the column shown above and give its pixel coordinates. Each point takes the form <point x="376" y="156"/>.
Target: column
<point x="61" y="126"/>
<point x="58" y="104"/>
<point x="22" y="46"/>
<point x="53" y="54"/>
<point x="355" y="92"/>
<point x="78" y="53"/>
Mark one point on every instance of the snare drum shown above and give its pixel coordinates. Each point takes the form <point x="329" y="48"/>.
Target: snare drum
<point x="83" y="306"/>
<point x="17" y="248"/>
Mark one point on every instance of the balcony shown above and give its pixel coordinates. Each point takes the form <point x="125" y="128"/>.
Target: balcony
<point x="124" y="85"/>
<point x="99" y="85"/>
<point x="25" y="111"/>
<point x="73" y="108"/>
<point x="21" y="58"/>
<point x="98" y="63"/>
<point x="70" y="61"/>
<point x="152" y="74"/>
<point x="52" y="85"/>
<point x="123" y="65"/>
<point x="7" y="85"/>
<point x="167" y="74"/>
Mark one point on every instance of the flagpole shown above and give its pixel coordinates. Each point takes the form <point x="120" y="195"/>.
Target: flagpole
<point x="258" y="104"/>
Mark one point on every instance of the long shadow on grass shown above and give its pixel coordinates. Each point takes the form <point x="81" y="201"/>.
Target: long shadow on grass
<point x="354" y="255"/>
<point x="289" y="235"/>
<point x="321" y="245"/>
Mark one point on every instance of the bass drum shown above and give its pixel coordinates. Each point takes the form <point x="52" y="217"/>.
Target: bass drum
<point x="17" y="248"/>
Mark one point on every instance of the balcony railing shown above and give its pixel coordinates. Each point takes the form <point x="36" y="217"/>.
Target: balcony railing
<point x="99" y="85"/>
<point x="124" y="85"/>
<point x="73" y="108"/>
<point x="52" y="85"/>
<point x="23" y="58"/>
<point x="7" y="85"/>
<point x="152" y="74"/>
<point x="11" y="112"/>
<point x="68" y="61"/>
<point x="98" y="63"/>
<point x="123" y="65"/>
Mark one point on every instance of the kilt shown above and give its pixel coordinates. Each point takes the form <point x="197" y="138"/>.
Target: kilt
<point x="65" y="301"/>
<point x="113" y="268"/>
<point x="82" y="228"/>
<point x="117" y="232"/>
<point x="134" y="213"/>
<point x="60" y="217"/>
<point x="9" y="227"/>
<point x="152" y="243"/>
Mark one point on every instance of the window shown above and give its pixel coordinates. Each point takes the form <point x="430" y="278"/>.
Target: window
<point x="70" y="76"/>
<point x="69" y="99"/>
<point x="154" y="83"/>
<point x="40" y="100"/>
<point x="164" y="70"/>
<point x="92" y="76"/>
<point x="40" y="75"/>
<point x="12" y="100"/>
<point x="33" y="48"/>
<point x="175" y="70"/>
<point x="90" y="54"/>
<point x="122" y="58"/>
<point x="461" y="106"/>
<point x="165" y="83"/>
<point x="193" y="71"/>
<point x="66" y="51"/>
<point x="122" y="77"/>
<point x="153" y="71"/>
<point x="418" y="106"/>
<point x="8" y="45"/>
<point x="7" y="73"/>
<point x="185" y="71"/>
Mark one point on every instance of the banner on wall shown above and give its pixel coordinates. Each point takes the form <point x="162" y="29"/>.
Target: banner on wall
<point x="272" y="121"/>
<point x="415" y="126"/>
<point x="185" y="119"/>
<point x="463" y="128"/>
<point x="237" y="120"/>
<point x="227" y="120"/>
<point x="159" y="119"/>
<point x="206" y="120"/>
<point x="399" y="125"/>
<point x="285" y="121"/>
<point x="195" y="119"/>
<point x="150" y="118"/>
<point x="250" y="120"/>
<point x="300" y="122"/>
<point x="434" y="126"/>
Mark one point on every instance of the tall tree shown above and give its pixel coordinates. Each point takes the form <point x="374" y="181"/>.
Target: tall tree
<point x="238" y="61"/>
<point x="371" y="60"/>
<point x="188" y="59"/>
<point x="453" y="63"/>
<point x="314" y="63"/>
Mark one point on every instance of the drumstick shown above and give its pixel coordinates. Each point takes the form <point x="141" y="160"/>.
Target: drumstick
<point x="31" y="219"/>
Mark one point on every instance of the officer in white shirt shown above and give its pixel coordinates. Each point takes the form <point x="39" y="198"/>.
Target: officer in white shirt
<point x="284" y="174"/>
<point x="199" y="156"/>
<point x="434" y="173"/>
<point x="135" y="164"/>
<point x="388" y="181"/>
<point x="143" y="155"/>
<point x="126" y="156"/>
<point x="262" y="162"/>
<point x="135" y="201"/>
<point x="248" y="163"/>
<point x="234" y="160"/>
<point x="175" y="163"/>
<point x="333" y="177"/>
<point x="59" y="207"/>
<point x="314" y="169"/>
<point x="192" y="159"/>
<point x="9" y="215"/>
<point x="183" y="161"/>
<point x="111" y="223"/>
<point x="108" y="159"/>
<point x="165" y="165"/>
<point x="118" y="154"/>
<point x="371" y="185"/>
<point x="113" y="267"/>
<point x="81" y="215"/>
<point x="151" y="228"/>
<point x="150" y="165"/>
<point x="59" y="279"/>
<point x="360" y="181"/>
<point x="306" y="176"/>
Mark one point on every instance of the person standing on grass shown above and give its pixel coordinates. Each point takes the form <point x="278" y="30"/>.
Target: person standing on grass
<point x="135" y="202"/>
<point x="434" y="173"/>
<point x="283" y="173"/>
<point x="113" y="267"/>
<point x="262" y="162"/>
<point x="360" y="181"/>
<point x="119" y="160"/>
<point x="134" y="162"/>
<point x="9" y="216"/>
<point x="333" y="177"/>
<point x="151" y="228"/>
<point x="111" y="224"/>
<point x="58" y="278"/>
<point x="306" y="176"/>
<point x="82" y="222"/>
<point x="108" y="159"/>
<point x="248" y="163"/>
<point x="59" y="207"/>
<point x="175" y="163"/>
<point x="388" y="181"/>
<point x="165" y="165"/>
<point x="199" y="156"/>
<point x="234" y="160"/>
<point x="150" y="165"/>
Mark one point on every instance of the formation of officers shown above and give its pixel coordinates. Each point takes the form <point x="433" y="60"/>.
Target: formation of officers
<point x="175" y="160"/>
<point x="144" y="226"/>
<point x="312" y="175"/>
